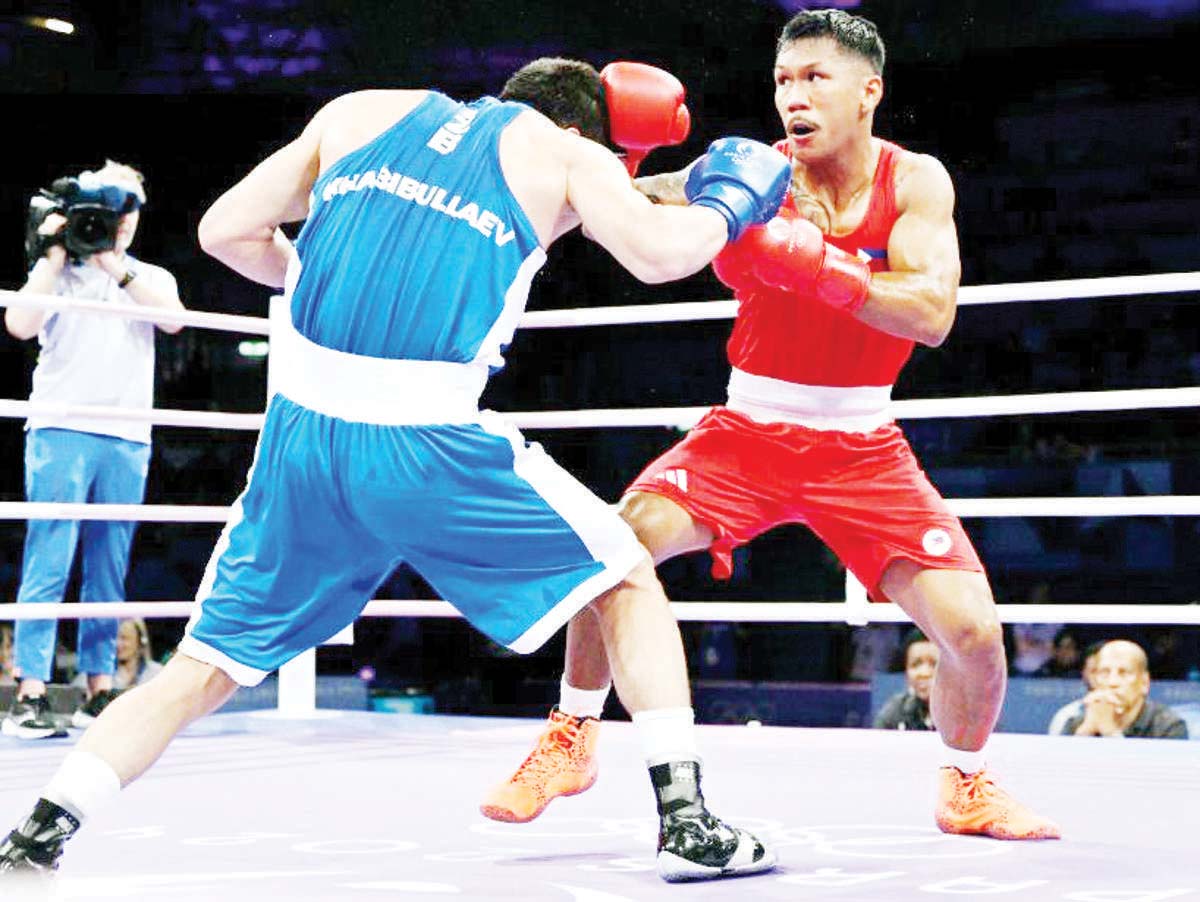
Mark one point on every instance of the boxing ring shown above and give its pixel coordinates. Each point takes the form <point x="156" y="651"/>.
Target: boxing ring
<point x="271" y="804"/>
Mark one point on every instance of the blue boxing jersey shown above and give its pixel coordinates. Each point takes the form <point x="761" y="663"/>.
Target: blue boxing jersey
<point x="414" y="247"/>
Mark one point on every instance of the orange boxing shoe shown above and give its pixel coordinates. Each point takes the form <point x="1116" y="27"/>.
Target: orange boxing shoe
<point x="563" y="763"/>
<point x="973" y="804"/>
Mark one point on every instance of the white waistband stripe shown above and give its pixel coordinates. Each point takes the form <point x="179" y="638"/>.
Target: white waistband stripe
<point x="370" y="389"/>
<point x="855" y="408"/>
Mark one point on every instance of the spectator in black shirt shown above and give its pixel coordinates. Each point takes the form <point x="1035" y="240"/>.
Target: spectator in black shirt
<point x="1119" y="705"/>
<point x="909" y="710"/>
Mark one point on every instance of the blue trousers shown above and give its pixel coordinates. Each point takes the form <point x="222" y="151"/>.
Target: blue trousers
<point x="66" y="466"/>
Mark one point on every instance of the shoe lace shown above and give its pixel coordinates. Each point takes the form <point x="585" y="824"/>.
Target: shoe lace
<point x="980" y="787"/>
<point x="553" y="749"/>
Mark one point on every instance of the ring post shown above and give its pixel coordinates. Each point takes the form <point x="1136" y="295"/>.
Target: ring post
<point x="856" y="602"/>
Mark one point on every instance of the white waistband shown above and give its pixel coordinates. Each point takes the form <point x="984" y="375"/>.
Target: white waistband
<point x="375" y="390"/>
<point x="855" y="408"/>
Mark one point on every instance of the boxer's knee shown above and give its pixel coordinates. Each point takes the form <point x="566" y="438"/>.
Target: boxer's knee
<point x="663" y="527"/>
<point x="192" y="684"/>
<point x="639" y="586"/>
<point x="955" y="607"/>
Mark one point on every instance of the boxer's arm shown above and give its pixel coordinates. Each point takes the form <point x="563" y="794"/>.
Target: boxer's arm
<point x="916" y="298"/>
<point x="241" y="228"/>
<point x="655" y="243"/>
<point x="666" y="187"/>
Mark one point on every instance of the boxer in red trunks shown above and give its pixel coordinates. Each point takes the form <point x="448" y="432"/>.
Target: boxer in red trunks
<point x="861" y="264"/>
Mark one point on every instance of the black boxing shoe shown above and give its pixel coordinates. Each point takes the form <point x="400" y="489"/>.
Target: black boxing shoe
<point x="36" y="845"/>
<point x="693" y="844"/>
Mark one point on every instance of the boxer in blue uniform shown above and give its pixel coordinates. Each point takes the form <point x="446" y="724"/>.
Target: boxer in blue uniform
<point x="425" y="221"/>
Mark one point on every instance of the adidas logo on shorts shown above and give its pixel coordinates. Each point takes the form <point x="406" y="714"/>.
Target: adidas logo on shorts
<point x="676" y="477"/>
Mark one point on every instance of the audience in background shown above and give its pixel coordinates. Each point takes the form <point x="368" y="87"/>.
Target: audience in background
<point x="1120" y="705"/>
<point x="1066" y="658"/>
<point x="1073" y="709"/>
<point x="1033" y="643"/>
<point x="873" y="649"/>
<point x="135" y="663"/>
<point x="6" y="655"/>
<point x="909" y="710"/>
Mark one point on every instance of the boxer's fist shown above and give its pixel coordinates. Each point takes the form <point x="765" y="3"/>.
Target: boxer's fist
<point x="743" y="180"/>
<point x="792" y="254"/>
<point x="645" y="109"/>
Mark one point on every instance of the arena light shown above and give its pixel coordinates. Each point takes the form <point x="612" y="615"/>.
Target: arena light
<point x="61" y="26"/>
<point x="253" y="348"/>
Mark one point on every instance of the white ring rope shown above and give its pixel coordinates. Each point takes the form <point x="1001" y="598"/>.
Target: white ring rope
<point x="1102" y="506"/>
<point x="690" y="611"/>
<point x="146" y="513"/>
<point x="968" y="295"/>
<point x="677" y="417"/>
<point x="1004" y="293"/>
<point x="206" y="419"/>
<point x="223" y="322"/>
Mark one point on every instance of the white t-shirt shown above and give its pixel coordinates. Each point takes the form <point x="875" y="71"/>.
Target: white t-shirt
<point x="91" y="358"/>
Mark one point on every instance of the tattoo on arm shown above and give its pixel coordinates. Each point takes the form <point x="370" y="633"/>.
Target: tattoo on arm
<point x="666" y="188"/>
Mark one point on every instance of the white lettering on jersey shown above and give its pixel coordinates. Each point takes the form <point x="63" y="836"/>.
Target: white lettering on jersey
<point x="481" y="219"/>
<point x="445" y="139"/>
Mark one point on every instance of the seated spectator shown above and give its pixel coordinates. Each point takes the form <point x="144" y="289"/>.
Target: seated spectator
<point x="909" y="710"/>
<point x="875" y="647"/>
<point x="6" y="655"/>
<point x="1120" y="703"/>
<point x="1032" y="643"/>
<point x="1058" y="722"/>
<point x="135" y="664"/>
<point x="1065" y="660"/>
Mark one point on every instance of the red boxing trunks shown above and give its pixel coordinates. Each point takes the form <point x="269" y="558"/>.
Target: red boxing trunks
<point x="863" y="494"/>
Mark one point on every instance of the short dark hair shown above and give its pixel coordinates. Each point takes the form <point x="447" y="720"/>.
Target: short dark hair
<point x="911" y="638"/>
<point x="853" y="34"/>
<point x="568" y="92"/>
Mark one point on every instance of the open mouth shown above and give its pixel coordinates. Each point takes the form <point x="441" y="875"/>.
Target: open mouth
<point x="800" y="129"/>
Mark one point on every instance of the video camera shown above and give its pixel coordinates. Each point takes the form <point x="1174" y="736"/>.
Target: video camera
<point x="93" y="210"/>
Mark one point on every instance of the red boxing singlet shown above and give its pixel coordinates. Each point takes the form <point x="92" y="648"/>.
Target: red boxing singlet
<point x="796" y="338"/>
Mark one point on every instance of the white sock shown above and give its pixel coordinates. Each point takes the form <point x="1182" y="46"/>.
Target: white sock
<point x="667" y="734"/>
<point x="83" y="785"/>
<point x="967" y="762"/>
<point x="581" y="702"/>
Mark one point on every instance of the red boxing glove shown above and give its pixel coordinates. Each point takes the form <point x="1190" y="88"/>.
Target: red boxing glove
<point x="734" y="266"/>
<point x="792" y="254"/>
<point x="645" y="109"/>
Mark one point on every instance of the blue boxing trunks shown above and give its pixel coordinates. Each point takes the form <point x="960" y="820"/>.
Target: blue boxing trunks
<point x="367" y="462"/>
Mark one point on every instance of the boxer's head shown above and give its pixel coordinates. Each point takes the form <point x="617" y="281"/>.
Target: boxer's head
<point x="567" y="92"/>
<point x="853" y="34"/>
<point x="828" y="80"/>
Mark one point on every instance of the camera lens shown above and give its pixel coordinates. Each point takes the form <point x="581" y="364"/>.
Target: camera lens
<point x="90" y="229"/>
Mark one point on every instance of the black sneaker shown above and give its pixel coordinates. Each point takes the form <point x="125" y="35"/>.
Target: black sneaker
<point x="693" y="844"/>
<point x="90" y="710"/>
<point x="30" y="718"/>
<point x="37" y="844"/>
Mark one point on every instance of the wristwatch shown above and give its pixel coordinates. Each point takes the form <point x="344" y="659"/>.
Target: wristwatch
<point x="129" y="276"/>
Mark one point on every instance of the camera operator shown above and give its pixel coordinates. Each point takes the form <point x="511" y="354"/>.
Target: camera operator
<point x="78" y="237"/>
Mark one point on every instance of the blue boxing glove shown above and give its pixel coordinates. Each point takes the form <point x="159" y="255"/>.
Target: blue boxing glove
<point x="743" y="180"/>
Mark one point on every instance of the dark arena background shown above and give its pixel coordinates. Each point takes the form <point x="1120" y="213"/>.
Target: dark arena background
<point x="1071" y="130"/>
